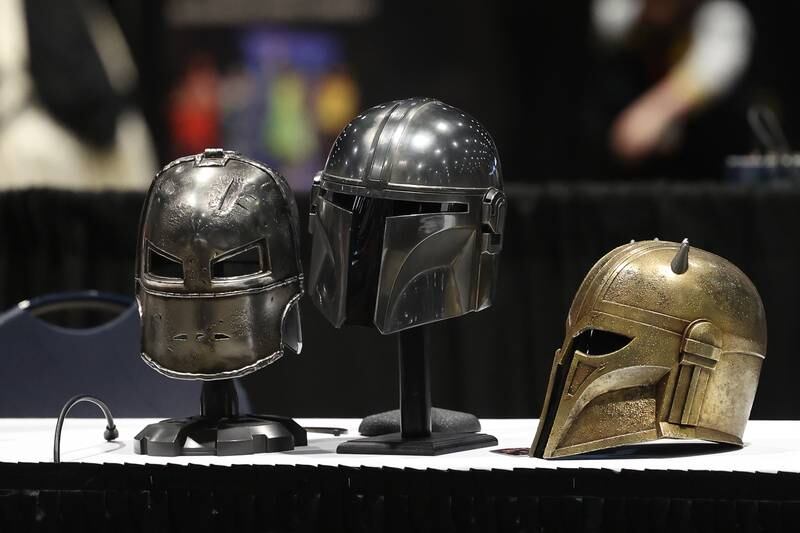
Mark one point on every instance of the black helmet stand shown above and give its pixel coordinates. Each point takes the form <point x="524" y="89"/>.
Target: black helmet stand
<point x="415" y="436"/>
<point x="219" y="429"/>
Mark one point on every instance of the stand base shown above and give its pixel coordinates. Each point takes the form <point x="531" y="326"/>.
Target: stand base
<point x="442" y="421"/>
<point x="436" y="444"/>
<point x="200" y="435"/>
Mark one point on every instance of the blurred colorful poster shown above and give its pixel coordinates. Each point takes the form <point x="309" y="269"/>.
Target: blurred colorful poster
<point x="282" y="97"/>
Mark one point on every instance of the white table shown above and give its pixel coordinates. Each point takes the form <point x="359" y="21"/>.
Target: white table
<point x="770" y="446"/>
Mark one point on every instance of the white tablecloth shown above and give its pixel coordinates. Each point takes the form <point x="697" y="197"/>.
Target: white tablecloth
<point x="770" y="446"/>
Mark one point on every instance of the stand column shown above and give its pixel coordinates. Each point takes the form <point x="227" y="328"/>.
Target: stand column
<point x="415" y="383"/>
<point x="218" y="399"/>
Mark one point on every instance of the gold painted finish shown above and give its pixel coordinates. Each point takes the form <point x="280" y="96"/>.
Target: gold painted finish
<point x="662" y="341"/>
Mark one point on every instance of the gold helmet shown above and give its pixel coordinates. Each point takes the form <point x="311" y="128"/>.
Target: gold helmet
<point x="662" y="341"/>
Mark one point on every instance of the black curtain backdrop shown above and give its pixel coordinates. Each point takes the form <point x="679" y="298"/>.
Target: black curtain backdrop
<point x="494" y="363"/>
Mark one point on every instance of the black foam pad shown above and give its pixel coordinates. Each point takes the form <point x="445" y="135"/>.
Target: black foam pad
<point x="442" y="420"/>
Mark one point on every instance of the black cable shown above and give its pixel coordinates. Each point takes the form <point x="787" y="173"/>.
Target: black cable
<point x="110" y="433"/>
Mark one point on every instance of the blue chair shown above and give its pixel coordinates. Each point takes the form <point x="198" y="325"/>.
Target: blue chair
<point x="42" y="365"/>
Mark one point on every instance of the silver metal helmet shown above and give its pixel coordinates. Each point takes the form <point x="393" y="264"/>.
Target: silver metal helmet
<point x="407" y="218"/>
<point x="218" y="277"/>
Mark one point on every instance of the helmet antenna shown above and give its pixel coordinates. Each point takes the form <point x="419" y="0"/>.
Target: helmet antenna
<point x="680" y="263"/>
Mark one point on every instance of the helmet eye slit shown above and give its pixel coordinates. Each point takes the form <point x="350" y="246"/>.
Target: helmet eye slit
<point x="403" y="207"/>
<point x="596" y="342"/>
<point x="235" y="264"/>
<point x="162" y="265"/>
<point x="345" y="201"/>
<point x="396" y="207"/>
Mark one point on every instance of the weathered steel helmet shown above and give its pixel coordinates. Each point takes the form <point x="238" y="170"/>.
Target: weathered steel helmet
<point x="218" y="277"/>
<point x="407" y="218"/>
<point x="662" y="341"/>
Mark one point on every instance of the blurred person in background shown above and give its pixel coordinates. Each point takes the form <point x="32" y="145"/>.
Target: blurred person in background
<point x="668" y="98"/>
<point x="67" y="82"/>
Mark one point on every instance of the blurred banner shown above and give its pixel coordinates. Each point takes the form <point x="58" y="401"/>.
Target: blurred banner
<point x="274" y="94"/>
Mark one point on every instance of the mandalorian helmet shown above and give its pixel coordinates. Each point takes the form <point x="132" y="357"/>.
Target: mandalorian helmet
<point x="662" y="341"/>
<point x="407" y="218"/>
<point x="218" y="276"/>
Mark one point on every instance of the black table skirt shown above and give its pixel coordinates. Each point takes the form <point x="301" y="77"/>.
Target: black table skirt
<point x="123" y="498"/>
<point x="494" y="363"/>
